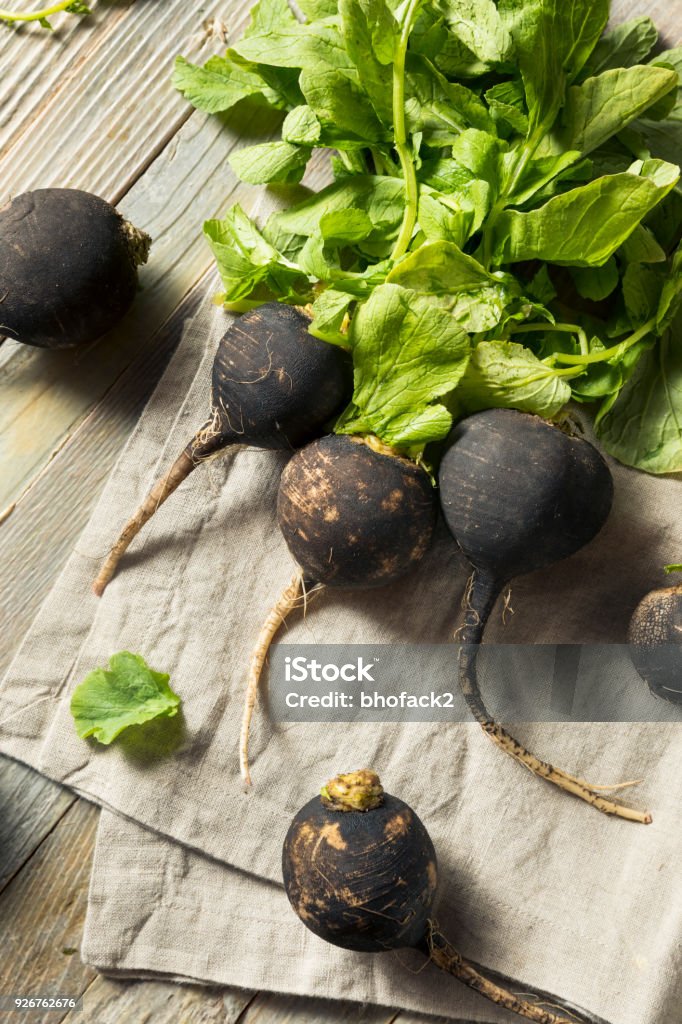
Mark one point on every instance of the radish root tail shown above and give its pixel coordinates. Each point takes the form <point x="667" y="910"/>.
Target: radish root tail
<point x="446" y="957"/>
<point x="199" y="448"/>
<point x="290" y="598"/>
<point x="481" y="599"/>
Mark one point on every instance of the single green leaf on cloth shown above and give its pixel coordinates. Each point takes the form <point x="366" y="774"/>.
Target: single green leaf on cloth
<point x="270" y="162"/>
<point x="552" y="41"/>
<point x="643" y="427"/>
<point x="406" y="354"/>
<point x="128" y="693"/>
<point x="585" y="226"/>
<point x="622" y="47"/>
<point x="504" y="374"/>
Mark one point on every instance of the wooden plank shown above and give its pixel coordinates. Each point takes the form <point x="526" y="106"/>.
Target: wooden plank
<point x="30" y="807"/>
<point x="74" y="477"/>
<point x="107" y="1001"/>
<point x="70" y="102"/>
<point x="271" y="1008"/>
<point x="42" y="912"/>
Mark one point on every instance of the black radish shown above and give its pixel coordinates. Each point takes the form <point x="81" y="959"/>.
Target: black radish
<point x="68" y="267"/>
<point x="655" y="638"/>
<point x="274" y="386"/>
<point x="354" y="514"/>
<point x="518" y="494"/>
<point x="360" y="872"/>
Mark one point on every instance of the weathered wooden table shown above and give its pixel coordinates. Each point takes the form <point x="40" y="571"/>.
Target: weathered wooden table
<point x="91" y="106"/>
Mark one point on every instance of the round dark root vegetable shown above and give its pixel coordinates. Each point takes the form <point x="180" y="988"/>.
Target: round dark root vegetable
<point x="519" y="494"/>
<point x="353" y="514"/>
<point x="273" y="386"/>
<point x="68" y="267"/>
<point x="655" y="638"/>
<point x="360" y="871"/>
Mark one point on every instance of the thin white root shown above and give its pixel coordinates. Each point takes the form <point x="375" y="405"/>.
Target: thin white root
<point x="286" y="602"/>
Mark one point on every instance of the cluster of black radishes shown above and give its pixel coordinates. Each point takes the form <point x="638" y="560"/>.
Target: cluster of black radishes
<point x="517" y="493"/>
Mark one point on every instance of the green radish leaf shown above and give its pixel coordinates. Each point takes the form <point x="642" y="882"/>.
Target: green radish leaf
<point x="268" y="16"/>
<point x="506" y="101"/>
<point x="128" y="693"/>
<point x="671" y="295"/>
<point x="641" y="292"/>
<point x="596" y="283"/>
<point x="458" y="283"/>
<point x="370" y="34"/>
<point x="478" y="26"/>
<point x="251" y="268"/>
<point x="439" y="222"/>
<point x="330" y="309"/>
<point x="440" y="109"/>
<point x="552" y="41"/>
<point x="301" y="127"/>
<point x="585" y="226"/>
<point x="406" y="353"/>
<point x="345" y="226"/>
<point x="219" y="84"/>
<point x="270" y="162"/>
<point x="504" y="374"/>
<point x="604" y="105"/>
<point x="315" y="10"/>
<point x="623" y="46"/>
<point x="541" y="287"/>
<point x="641" y="247"/>
<point x="380" y="198"/>
<point x="643" y="428"/>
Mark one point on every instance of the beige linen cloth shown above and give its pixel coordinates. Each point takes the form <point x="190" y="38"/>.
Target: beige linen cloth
<point x="186" y="881"/>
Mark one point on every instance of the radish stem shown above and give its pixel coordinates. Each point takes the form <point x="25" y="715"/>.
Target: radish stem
<point x="482" y="596"/>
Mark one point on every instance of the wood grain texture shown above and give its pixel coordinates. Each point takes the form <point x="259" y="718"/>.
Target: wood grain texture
<point x="42" y="913"/>
<point x="30" y="807"/>
<point x="107" y="1001"/>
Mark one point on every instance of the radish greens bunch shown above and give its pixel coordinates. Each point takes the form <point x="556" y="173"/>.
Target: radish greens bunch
<point x="506" y="166"/>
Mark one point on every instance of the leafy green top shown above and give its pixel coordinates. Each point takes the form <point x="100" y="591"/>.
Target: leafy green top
<point x="502" y="224"/>
<point x="128" y="693"/>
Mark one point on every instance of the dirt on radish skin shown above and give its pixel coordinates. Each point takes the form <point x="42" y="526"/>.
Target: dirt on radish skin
<point x="353" y="515"/>
<point x="655" y="638"/>
<point x="274" y="386"/>
<point x="68" y="267"/>
<point x="518" y="494"/>
<point x="360" y="871"/>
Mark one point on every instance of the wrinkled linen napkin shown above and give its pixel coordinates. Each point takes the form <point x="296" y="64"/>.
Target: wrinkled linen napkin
<point x="532" y="882"/>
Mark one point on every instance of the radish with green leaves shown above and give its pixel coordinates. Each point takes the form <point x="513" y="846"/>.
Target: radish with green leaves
<point x="518" y="494"/>
<point x="356" y="509"/>
<point x="68" y="267"/>
<point x="274" y="386"/>
<point x="360" y="872"/>
<point x="655" y="638"/>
